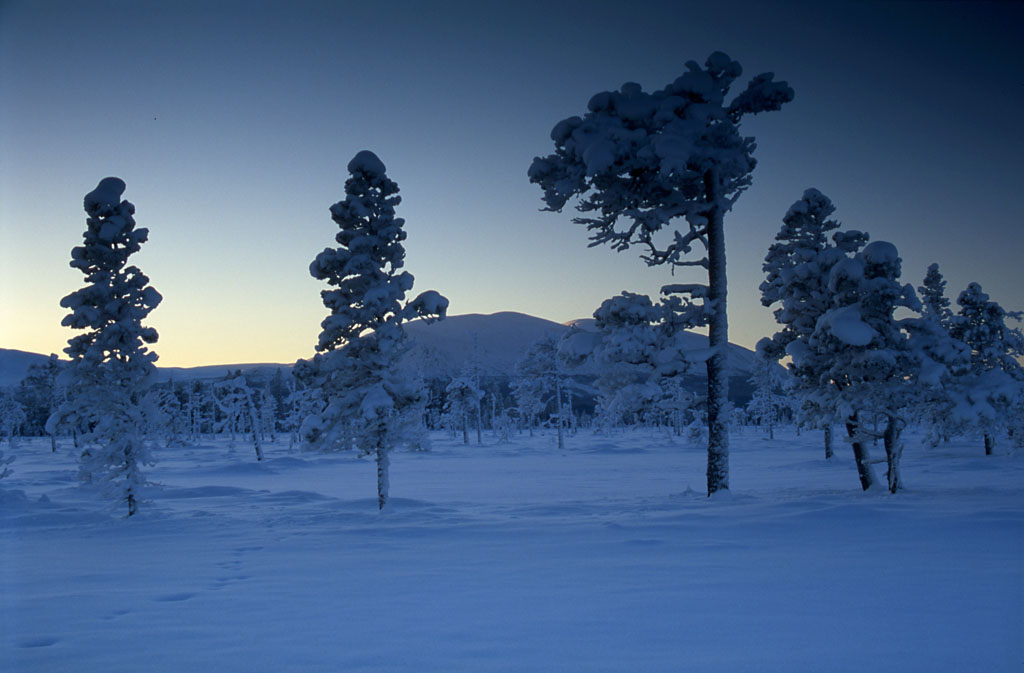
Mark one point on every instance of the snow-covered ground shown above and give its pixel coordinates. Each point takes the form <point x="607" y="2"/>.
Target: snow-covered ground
<point x="517" y="557"/>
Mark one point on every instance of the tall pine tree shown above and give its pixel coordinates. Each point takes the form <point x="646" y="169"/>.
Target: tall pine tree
<point x="111" y="364"/>
<point x="363" y="396"/>
<point x="642" y="164"/>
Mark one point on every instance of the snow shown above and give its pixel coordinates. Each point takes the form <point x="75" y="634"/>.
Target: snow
<point x="105" y="197"/>
<point x="517" y="557"/>
<point x="847" y="325"/>
<point x="881" y="253"/>
<point x="368" y="163"/>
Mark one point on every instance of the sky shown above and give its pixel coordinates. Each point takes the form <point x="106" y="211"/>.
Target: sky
<point x="232" y="124"/>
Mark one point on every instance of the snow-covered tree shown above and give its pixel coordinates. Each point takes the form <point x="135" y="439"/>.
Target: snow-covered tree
<point x="639" y="359"/>
<point x="797" y="269"/>
<point x="542" y="366"/>
<point x="764" y="405"/>
<point x="528" y="394"/>
<point x="12" y="417"/>
<point x="40" y="394"/>
<point x="626" y="358"/>
<point x="169" y="415"/>
<point x="111" y="364"/>
<point x="463" y="397"/>
<point x="237" y="401"/>
<point x="995" y="381"/>
<point x="363" y="391"/>
<point x="934" y="301"/>
<point x="875" y="366"/>
<point x="940" y="407"/>
<point x="639" y="163"/>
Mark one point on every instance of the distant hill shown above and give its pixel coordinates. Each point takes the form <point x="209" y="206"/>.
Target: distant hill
<point x="493" y="342"/>
<point x="14" y="365"/>
<point x="261" y="370"/>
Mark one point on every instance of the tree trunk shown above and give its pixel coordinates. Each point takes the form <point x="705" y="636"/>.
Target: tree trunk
<point x="465" y="428"/>
<point x="254" y="422"/>
<point x="828" y="442"/>
<point x="990" y="444"/>
<point x="479" y="424"/>
<point x="382" y="475"/>
<point x="860" y="453"/>
<point x="893" y="452"/>
<point x="558" y="409"/>
<point x="718" y="340"/>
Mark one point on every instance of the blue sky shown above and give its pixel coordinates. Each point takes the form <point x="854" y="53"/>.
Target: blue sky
<point x="232" y="127"/>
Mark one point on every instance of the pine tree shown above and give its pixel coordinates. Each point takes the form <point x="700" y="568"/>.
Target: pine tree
<point x="763" y="407"/>
<point x="542" y="366"/>
<point x="933" y="296"/>
<point x="12" y="417"/>
<point x="875" y="366"/>
<point x="111" y="364"/>
<point x="237" y="400"/>
<point x="797" y="269"/>
<point x="528" y="393"/>
<point x="363" y="393"/>
<point x="40" y="394"/>
<point x="938" y="407"/>
<point x="463" y="400"/>
<point x="640" y="162"/>
<point x="996" y="378"/>
<point x="626" y="358"/>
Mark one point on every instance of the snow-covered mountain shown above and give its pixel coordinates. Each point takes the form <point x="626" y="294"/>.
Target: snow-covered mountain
<point x="261" y="370"/>
<point x="492" y="342"/>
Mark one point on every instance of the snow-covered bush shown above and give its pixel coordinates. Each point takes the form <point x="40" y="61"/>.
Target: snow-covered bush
<point x="111" y="365"/>
<point x="638" y="163"/>
<point x="362" y="393"/>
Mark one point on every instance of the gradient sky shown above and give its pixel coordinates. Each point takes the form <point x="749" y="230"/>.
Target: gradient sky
<point x="232" y="124"/>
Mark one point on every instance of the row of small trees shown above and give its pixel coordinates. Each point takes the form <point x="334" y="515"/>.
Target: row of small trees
<point x="862" y="344"/>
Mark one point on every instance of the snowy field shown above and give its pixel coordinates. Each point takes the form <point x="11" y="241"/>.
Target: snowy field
<point x="517" y="557"/>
